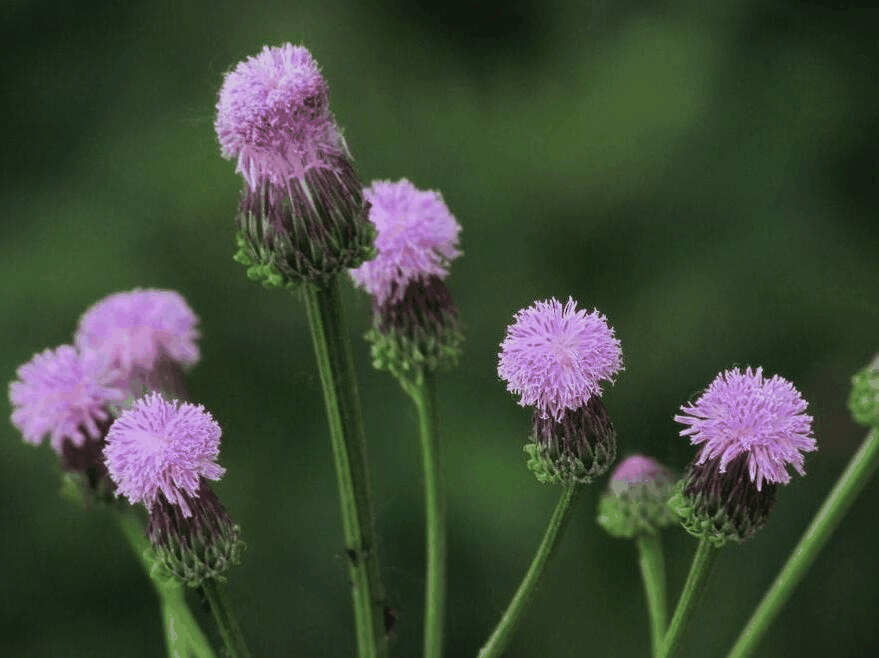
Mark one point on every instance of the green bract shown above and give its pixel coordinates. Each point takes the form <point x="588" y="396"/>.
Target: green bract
<point x="863" y="401"/>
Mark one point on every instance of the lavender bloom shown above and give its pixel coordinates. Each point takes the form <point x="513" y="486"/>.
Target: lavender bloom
<point x="65" y="394"/>
<point x="161" y="447"/>
<point x="138" y="328"/>
<point x="745" y="414"/>
<point x="417" y="236"/>
<point x="274" y="115"/>
<point x="555" y="356"/>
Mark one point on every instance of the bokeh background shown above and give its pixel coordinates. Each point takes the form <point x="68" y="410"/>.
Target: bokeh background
<point x="704" y="174"/>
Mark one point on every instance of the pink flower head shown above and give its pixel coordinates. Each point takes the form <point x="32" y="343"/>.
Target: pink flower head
<point x="416" y="238"/>
<point x="745" y="413"/>
<point x="638" y="469"/>
<point x="555" y="356"/>
<point x="273" y="115"/>
<point x="163" y="447"/>
<point x="135" y="328"/>
<point x="62" y="393"/>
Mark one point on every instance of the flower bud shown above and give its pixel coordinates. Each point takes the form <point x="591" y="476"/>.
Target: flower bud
<point x="636" y="498"/>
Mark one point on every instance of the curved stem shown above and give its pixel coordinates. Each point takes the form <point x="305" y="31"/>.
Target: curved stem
<point x="838" y="501"/>
<point x="653" y="574"/>
<point x="183" y="635"/>
<point x="230" y="631"/>
<point x="435" y="504"/>
<point x="500" y="638"/>
<point x="335" y="364"/>
<point x="693" y="588"/>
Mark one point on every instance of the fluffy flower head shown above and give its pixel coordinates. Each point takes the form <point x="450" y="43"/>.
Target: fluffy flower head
<point x="555" y="356"/>
<point x="62" y="393"/>
<point x="742" y="412"/>
<point x="273" y="115"/>
<point x="416" y="238"/>
<point x="163" y="447"/>
<point x="134" y="328"/>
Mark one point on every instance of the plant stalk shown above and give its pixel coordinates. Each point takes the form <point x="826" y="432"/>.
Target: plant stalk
<point x="827" y="519"/>
<point x="335" y="364"/>
<point x="652" y="565"/>
<point x="503" y="633"/>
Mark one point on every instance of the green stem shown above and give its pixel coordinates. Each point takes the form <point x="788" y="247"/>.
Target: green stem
<point x="693" y="588"/>
<point x="847" y="488"/>
<point x="335" y="363"/>
<point x="435" y="504"/>
<point x="227" y="624"/>
<point x="183" y="635"/>
<point x="653" y="573"/>
<point x="503" y="633"/>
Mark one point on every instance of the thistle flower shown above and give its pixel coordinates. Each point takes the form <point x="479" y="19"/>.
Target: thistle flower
<point x="636" y="497"/>
<point x="64" y="394"/>
<point x="750" y="429"/>
<point x="415" y="320"/>
<point x="302" y="216"/>
<point x="416" y="238"/>
<point x="139" y="329"/>
<point x="161" y="447"/>
<point x="555" y="357"/>
<point x="161" y="453"/>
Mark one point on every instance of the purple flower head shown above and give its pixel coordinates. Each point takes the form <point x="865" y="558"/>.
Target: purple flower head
<point x="163" y="447"/>
<point x="273" y="115"/>
<point x="743" y="413"/>
<point x="416" y="238"/>
<point x="555" y="356"/>
<point x="62" y="393"/>
<point x="638" y="469"/>
<point x="135" y="328"/>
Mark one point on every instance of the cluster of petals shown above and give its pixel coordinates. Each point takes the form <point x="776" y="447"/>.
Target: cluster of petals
<point x="742" y="412"/>
<point x="416" y="237"/>
<point x="134" y="328"/>
<point x="63" y="393"/>
<point x="273" y="115"/>
<point x="162" y="446"/>
<point x="638" y="469"/>
<point x="555" y="356"/>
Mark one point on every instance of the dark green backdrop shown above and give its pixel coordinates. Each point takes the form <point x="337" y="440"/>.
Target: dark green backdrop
<point x="704" y="174"/>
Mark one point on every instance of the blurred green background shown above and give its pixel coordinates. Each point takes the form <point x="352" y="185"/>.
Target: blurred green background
<point x="705" y="175"/>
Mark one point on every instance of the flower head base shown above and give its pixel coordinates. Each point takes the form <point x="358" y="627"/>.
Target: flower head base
<point x="302" y="216"/>
<point x="863" y="401"/>
<point x="65" y="394"/>
<point x="555" y="356"/>
<point x="722" y="506"/>
<point x="745" y="414"/>
<point x="576" y="449"/>
<point x="417" y="236"/>
<point x="636" y="498"/>
<point x="161" y="447"/>
<point x="137" y="329"/>
<point x="192" y="548"/>
<point x="419" y="332"/>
